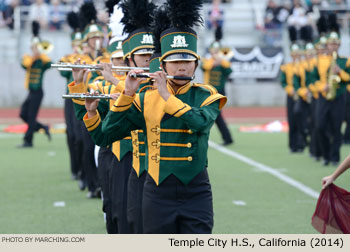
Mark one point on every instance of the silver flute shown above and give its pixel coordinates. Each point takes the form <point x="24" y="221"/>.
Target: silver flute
<point x="174" y="77"/>
<point x="94" y="68"/>
<point x="86" y="96"/>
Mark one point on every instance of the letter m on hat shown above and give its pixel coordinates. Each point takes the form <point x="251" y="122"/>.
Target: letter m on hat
<point x="179" y="41"/>
<point x="147" y="39"/>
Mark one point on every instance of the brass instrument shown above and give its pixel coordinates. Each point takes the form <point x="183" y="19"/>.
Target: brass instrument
<point x="226" y="53"/>
<point x="94" y="68"/>
<point x="45" y="47"/>
<point x="333" y="80"/>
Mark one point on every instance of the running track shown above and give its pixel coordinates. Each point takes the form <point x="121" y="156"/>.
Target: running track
<point x="232" y="114"/>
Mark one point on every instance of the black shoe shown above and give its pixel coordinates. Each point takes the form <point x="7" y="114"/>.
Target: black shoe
<point x="325" y="162"/>
<point x="98" y="193"/>
<point x="334" y="163"/>
<point x="90" y="195"/>
<point x="227" y="143"/>
<point x="297" y="151"/>
<point x="81" y="184"/>
<point x="94" y="194"/>
<point x="74" y="176"/>
<point x="25" y="145"/>
<point x="47" y="132"/>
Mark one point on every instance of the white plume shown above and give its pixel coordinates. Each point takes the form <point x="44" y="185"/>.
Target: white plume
<point x="115" y="25"/>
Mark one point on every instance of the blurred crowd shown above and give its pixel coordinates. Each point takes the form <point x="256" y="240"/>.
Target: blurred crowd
<point x="299" y="16"/>
<point x="51" y="14"/>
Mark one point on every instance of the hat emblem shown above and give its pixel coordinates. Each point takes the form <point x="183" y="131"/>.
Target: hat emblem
<point x="119" y="45"/>
<point x="93" y="28"/>
<point x="323" y="40"/>
<point x="179" y="41"/>
<point x="333" y="35"/>
<point x="147" y="39"/>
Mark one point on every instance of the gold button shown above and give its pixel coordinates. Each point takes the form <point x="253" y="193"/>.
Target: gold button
<point x="189" y="145"/>
<point x="136" y="131"/>
<point x="190" y="131"/>
<point x="158" y="130"/>
<point x="158" y="158"/>
<point x="189" y="158"/>
<point x="158" y="144"/>
<point x="137" y="143"/>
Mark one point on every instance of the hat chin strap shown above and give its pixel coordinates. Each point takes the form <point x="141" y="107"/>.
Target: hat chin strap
<point x="133" y="60"/>
<point x="172" y="82"/>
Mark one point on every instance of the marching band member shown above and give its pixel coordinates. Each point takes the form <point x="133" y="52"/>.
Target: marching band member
<point x="216" y="72"/>
<point x="74" y="138"/>
<point x="321" y="55"/>
<point x="346" y="136"/>
<point x="137" y="49"/>
<point x="176" y="118"/>
<point x="302" y="108"/>
<point x="288" y="82"/>
<point x="92" y="44"/>
<point x="331" y="76"/>
<point x="35" y="66"/>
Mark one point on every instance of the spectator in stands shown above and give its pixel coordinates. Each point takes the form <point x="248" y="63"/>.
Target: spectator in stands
<point x="39" y="11"/>
<point x="271" y="13"/>
<point x="275" y="17"/>
<point x="26" y="2"/>
<point x="3" y="4"/>
<point x="338" y="3"/>
<point x="298" y="22"/>
<point x="315" y="3"/>
<point x="73" y="4"/>
<point x="215" y="16"/>
<point x="57" y="15"/>
<point x="284" y="12"/>
<point x="8" y="13"/>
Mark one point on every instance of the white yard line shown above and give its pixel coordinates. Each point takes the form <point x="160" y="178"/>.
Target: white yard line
<point x="239" y="202"/>
<point x="305" y="189"/>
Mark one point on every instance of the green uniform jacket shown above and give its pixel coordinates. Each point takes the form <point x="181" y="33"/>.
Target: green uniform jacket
<point x="70" y="58"/>
<point x="320" y="74"/>
<point x="289" y="80"/>
<point x="216" y="75"/>
<point x="35" y="68"/>
<point x="136" y="142"/>
<point x="177" y="130"/>
<point x="119" y="148"/>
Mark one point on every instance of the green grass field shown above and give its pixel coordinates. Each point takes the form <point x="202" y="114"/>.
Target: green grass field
<point x="31" y="180"/>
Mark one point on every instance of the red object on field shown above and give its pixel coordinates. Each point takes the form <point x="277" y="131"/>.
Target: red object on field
<point x="332" y="214"/>
<point x="275" y="126"/>
<point x="20" y="128"/>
